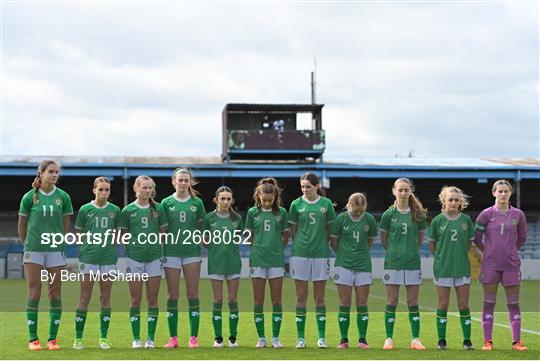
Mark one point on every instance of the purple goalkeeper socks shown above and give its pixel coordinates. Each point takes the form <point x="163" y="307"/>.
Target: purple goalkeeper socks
<point x="488" y="313"/>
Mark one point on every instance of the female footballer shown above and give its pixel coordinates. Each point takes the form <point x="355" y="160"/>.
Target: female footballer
<point x="310" y="217"/>
<point x="402" y="233"/>
<point x="185" y="212"/>
<point x="269" y="229"/>
<point x="500" y="231"/>
<point x="144" y="219"/>
<point x="351" y="236"/>
<point x="450" y="237"/>
<point x="222" y="230"/>
<point x="97" y="257"/>
<point x="44" y="210"/>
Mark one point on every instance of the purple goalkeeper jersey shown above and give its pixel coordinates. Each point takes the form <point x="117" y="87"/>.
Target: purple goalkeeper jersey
<point x="504" y="233"/>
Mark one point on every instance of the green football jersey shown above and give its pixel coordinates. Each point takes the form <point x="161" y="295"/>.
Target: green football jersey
<point x="44" y="217"/>
<point x="185" y="216"/>
<point x="311" y="219"/>
<point x="267" y="237"/>
<point x="402" y="252"/>
<point x="97" y="220"/>
<point x="141" y="222"/>
<point x="223" y="252"/>
<point x="451" y="238"/>
<point x="353" y="235"/>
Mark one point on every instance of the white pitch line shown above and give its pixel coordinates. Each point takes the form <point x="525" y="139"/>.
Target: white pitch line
<point x="532" y="332"/>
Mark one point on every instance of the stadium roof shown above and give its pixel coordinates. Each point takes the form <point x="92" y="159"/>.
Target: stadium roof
<point x="366" y="167"/>
<point x="269" y="108"/>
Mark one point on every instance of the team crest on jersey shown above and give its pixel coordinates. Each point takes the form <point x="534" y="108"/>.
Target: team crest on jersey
<point x="90" y="215"/>
<point x="322" y="210"/>
<point x="366" y="228"/>
<point x="111" y="215"/>
<point x="58" y="201"/>
<point x="514" y="222"/>
<point x="171" y="208"/>
<point x="464" y="226"/>
<point x="393" y="220"/>
<point x="301" y="210"/>
<point x="132" y="215"/>
<point x="193" y="209"/>
<point x="278" y="218"/>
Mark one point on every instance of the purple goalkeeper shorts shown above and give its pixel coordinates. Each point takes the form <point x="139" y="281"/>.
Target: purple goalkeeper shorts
<point x="506" y="278"/>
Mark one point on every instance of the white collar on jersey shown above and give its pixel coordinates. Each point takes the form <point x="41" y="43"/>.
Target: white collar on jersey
<point x="142" y="207"/>
<point x="182" y="200"/>
<point x="47" y="194"/>
<point x="451" y="218"/>
<point x="356" y="220"/>
<point x="408" y="210"/>
<point x="98" y="207"/>
<point x="311" y="202"/>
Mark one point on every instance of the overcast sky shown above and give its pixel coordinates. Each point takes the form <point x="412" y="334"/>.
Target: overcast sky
<point x="446" y="79"/>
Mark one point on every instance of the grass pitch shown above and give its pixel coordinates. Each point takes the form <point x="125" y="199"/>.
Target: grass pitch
<point x="13" y="330"/>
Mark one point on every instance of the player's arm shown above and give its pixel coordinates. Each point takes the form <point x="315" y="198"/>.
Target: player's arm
<point x="481" y="224"/>
<point x="432" y="246"/>
<point x="293" y="230"/>
<point x="521" y="231"/>
<point x="22" y="227"/>
<point x="421" y="237"/>
<point x="384" y="239"/>
<point x="370" y="241"/>
<point x="334" y="242"/>
<point x="66" y="223"/>
<point x="285" y="237"/>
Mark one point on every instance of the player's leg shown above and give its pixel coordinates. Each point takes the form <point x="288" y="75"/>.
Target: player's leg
<point x="488" y="312"/>
<point x="32" y="272"/>
<point x="152" y="292"/>
<point x="276" y="288"/>
<point x="301" y="301"/>
<point x="105" y="288"/>
<point x="86" y="286"/>
<point x="344" y="314"/>
<point x="172" y="277"/>
<point x="135" y="292"/>
<point x="258" y="284"/>
<point x="232" y="291"/>
<point x="414" y="315"/>
<point x="192" y="275"/>
<point x="319" y="293"/>
<point x="362" y="316"/>
<point x="514" y="315"/>
<point x="462" y="294"/>
<point x="217" y="290"/>
<point x="55" y="298"/>
<point x="392" y="298"/>
<point x="441" y="315"/>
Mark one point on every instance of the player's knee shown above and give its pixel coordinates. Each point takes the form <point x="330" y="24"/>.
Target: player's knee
<point x="276" y="300"/>
<point x="105" y="300"/>
<point x="319" y="300"/>
<point x="152" y="300"/>
<point x="135" y="302"/>
<point x="490" y="297"/>
<point x="512" y="299"/>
